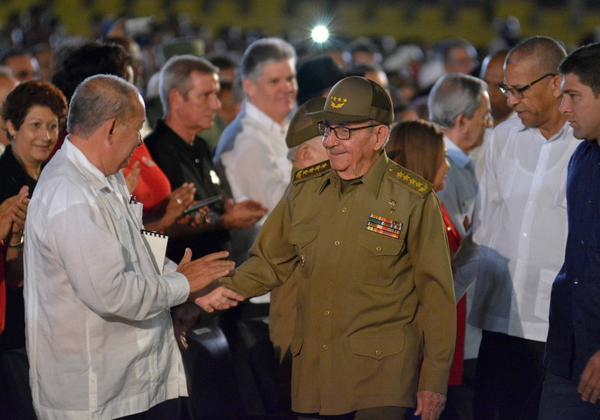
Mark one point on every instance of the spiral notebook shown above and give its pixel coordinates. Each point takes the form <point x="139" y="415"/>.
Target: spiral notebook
<point x="157" y="244"/>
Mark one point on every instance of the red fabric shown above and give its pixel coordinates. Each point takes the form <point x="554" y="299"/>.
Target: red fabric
<point x="2" y="290"/>
<point x="153" y="186"/>
<point x="456" y="370"/>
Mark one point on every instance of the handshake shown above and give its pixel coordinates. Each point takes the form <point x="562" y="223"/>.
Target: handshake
<point x="201" y="275"/>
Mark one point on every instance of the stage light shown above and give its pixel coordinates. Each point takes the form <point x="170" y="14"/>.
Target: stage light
<point x="320" y="34"/>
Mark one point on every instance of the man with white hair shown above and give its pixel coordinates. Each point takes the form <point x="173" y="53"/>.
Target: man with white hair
<point x="460" y="105"/>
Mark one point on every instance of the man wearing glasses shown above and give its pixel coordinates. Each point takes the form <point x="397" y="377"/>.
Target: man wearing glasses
<point x="366" y="243"/>
<point x="521" y="230"/>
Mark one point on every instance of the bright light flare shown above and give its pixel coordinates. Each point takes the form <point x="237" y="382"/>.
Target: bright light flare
<point x="320" y="34"/>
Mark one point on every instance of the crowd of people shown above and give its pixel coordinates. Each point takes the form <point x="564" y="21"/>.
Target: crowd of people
<point x="359" y="234"/>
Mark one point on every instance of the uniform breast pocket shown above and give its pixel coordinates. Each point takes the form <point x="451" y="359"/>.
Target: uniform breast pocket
<point x="379" y="257"/>
<point x="303" y="237"/>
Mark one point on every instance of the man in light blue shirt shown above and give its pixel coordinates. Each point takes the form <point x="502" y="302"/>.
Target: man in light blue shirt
<point x="460" y="105"/>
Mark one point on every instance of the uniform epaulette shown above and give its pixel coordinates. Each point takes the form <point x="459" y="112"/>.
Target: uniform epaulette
<point x="311" y="171"/>
<point x="410" y="179"/>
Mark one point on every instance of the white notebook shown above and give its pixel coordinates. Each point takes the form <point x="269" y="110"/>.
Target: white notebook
<point x="157" y="244"/>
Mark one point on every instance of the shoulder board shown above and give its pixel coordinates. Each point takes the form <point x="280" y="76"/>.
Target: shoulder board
<point x="313" y="171"/>
<point x="409" y="179"/>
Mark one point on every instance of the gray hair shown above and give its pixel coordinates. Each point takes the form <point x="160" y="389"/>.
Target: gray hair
<point x="263" y="51"/>
<point x="546" y="53"/>
<point x="454" y="94"/>
<point x="97" y="99"/>
<point x="175" y="74"/>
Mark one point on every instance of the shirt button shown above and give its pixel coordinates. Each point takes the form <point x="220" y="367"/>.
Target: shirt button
<point x="197" y="161"/>
<point x="336" y="243"/>
<point x="378" y="352"/>
<point x="378" y="248"/>
<point x="582" y="242"/>
<point x="525" y="234"/>
<point x="327" y="313"/>
<point x="325" y="347"/>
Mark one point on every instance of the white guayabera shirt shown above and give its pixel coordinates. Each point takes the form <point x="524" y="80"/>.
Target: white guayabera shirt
<point x="256" y="163"/>
<point x="522" y="228"/>
<point x="99" y="333"/>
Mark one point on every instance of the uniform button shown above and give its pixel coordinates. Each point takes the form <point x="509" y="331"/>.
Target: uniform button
<point x="378" y="248"/>
<point x="327" y="313"/>
<point x="336" y="243"/>
<point x="378" y="352"/>
<point x="302" y="260"/>
<point x="197" y="161"/>
<point x="325" y="347"/>
<point x="344" y="210"/>
<point x="582" y="242"/>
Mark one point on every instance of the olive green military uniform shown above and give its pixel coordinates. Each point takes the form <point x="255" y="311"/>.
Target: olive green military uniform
<point x="368" y="301"/>
<point x="282" y="310"/>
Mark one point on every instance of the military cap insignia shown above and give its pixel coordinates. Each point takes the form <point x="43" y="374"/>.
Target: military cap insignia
<point x="312" y="171"/>
<point x="384" y="226"/>
<point x="337" y="102"/>
<point x="410" y="180"/>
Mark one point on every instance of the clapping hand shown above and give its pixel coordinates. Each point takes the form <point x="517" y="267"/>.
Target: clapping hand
<point x="242" y="215"/>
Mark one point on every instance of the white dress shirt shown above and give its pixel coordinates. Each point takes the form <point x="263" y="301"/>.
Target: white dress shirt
<point x="99" y="333"/>
<point x="256" y="162"/>
<point x="521" y="228"/>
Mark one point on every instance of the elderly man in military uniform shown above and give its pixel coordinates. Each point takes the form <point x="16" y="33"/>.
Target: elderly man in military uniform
<point x="364" y="238"/>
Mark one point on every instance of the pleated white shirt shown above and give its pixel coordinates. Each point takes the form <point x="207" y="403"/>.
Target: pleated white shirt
<point x="99" y="333"/>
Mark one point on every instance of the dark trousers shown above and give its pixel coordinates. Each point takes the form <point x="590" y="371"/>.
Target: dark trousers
<point x="375" y="413"/>
<point x="15" y="393"/>
<point x="170" y="409"/>
<point x="560" y="400"/>
<point x="508" y="377"/>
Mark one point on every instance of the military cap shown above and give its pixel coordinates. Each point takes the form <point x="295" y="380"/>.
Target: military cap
<point x="356" y="99"/>
<point x="302" y="127"/>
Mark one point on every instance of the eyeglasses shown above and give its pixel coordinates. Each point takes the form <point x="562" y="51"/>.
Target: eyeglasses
<point x="519" y="92"/>
<point x="341" y="132"/>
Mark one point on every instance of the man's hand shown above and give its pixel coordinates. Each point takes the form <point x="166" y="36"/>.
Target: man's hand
<point x="203" y="271"/>
<point x="242" y="215"/>
<point x="430" y="405"/>
<point x="219" y="299"/>
<point x="179" y="201"/>
<point x="589" y="384"/>
<point x="185" y="316"/>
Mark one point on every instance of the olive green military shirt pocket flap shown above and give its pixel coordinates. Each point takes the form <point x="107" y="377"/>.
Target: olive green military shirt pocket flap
<point x="302" y="235"/>
<point x="377" y="347"/>
<point x="380" y="244"/>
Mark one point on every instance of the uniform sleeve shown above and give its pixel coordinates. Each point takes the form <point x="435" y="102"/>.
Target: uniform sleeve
<point x="436" y="313"/>
<point x="101" y="270"/>
<point x="272" y="257"/>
